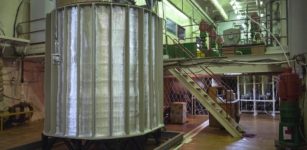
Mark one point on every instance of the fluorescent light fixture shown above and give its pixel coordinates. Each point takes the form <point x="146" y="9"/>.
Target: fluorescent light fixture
<point x="261" y="15"/>
<point x="261" y="3"/>
<point x="232" y="74"/>
<point x="220" y="9"/>
<point x="235" y="6"/>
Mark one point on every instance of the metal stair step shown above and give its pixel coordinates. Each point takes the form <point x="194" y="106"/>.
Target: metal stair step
<point x="232" y="127"/>
<point x="220" y="110"/>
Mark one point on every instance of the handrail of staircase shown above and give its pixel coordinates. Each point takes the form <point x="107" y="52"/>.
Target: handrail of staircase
<point x="217" y="79"/>
<point x="181" y="47"/>
<point x="227" y="104"/>
<point x="221" y="82"/>
<point x="195" y="75"/>
<point x="186" y="73"/>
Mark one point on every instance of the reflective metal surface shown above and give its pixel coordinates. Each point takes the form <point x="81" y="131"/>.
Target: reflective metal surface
<point x="103" y="72"/>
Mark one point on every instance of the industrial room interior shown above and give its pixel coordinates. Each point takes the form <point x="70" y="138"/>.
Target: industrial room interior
<point x="153" y="74"/>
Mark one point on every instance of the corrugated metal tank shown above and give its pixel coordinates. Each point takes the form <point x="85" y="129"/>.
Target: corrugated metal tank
<point x="103" y="71"/>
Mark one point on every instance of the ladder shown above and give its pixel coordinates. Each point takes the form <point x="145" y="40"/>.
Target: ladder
<point x="212" y="106"/>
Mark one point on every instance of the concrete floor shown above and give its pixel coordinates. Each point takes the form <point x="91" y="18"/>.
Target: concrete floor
<point x="192" y="122"/>
<point x="263" y="126"/>
<point x="20" y="135"/>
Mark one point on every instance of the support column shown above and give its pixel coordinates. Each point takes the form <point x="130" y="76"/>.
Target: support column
<point x="238" y="93"/>
<point x="273" y="96"/>
<point x="254" y="95"/>
<point x="244" y="85"/>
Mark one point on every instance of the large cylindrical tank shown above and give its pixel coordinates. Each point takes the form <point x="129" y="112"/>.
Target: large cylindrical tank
<point x="103" y="71"/>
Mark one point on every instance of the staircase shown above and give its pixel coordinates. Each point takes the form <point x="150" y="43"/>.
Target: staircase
<point x="211" y="105"/>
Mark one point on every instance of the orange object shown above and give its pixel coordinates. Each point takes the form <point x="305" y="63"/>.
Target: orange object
<point x="289" y="86"/>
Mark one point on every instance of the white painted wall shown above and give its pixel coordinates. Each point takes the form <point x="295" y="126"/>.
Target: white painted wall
<point x="37" y="12"/>
<point x="8" y="9"/>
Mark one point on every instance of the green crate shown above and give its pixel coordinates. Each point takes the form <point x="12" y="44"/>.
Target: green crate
<point x="243" y="50"/>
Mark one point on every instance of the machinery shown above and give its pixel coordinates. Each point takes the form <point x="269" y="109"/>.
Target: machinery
<point x="232" y="36"/>
<point x="289" y="126"/>
<point x="203" y="28"/>
<point x="208" y="40"/>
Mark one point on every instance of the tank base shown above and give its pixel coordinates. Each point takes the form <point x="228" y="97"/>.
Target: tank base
<point x="131" y="143"/>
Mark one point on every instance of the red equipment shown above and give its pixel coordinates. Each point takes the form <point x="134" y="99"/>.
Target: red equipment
<point x="289" y="86"/>
<point x="203" y="26"/>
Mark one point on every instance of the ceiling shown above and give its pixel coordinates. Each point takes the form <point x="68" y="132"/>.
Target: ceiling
<point x="229" y="6"/>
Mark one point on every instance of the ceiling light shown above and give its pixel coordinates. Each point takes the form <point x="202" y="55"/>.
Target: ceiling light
<point x="220" y="9"/>
<point x="232" y="74"/>
<point x="261" y="3"/>
<point x="261" y="15"/>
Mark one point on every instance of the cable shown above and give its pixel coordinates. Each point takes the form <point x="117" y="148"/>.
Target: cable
<point x="16" y="16"/>
<point x="274" y="37"/>
<point x="259" y="63"/>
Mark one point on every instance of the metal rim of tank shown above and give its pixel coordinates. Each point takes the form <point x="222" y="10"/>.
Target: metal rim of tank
<point x="106" y="138"/>
<point x="97" y="3"/>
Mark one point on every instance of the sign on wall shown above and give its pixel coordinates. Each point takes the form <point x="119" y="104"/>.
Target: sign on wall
<point x="175" y="29"/>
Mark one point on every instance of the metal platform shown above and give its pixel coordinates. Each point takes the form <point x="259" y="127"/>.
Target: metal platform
<point x="13" y="41"/>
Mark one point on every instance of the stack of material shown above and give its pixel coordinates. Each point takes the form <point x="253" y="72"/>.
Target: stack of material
<point x="232" y="108"/>
<point x="258" y="50"/>
<point x="228" y="51"/>
<point x="178" y="112"/>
